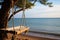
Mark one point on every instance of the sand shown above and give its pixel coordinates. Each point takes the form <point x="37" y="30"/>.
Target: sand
<point x="26" y="37"/>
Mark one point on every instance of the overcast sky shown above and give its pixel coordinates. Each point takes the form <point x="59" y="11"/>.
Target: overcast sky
<point x="41" y="11"/>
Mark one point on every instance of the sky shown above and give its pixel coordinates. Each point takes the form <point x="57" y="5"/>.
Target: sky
<point x="41" y="11"/>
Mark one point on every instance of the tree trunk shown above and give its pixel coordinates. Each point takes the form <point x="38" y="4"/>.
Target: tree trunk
<point x="4" y="14"/>
<point x="6" y="5"/>
<point x="4" y="17"/>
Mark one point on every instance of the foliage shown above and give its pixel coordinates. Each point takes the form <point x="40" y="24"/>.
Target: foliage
<point x="20" y="4"/>
<point x="44" y="2"/>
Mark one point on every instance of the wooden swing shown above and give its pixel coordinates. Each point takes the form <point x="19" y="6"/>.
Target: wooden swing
<point x="18" y="29"/>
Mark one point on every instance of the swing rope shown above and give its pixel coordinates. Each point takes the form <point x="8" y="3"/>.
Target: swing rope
<point x="23" y="14"/>
<point x="13" y="14"/>
<point x="13" y="20"/>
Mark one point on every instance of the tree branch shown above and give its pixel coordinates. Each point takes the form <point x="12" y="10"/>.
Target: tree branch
<point x="15" y="13"/>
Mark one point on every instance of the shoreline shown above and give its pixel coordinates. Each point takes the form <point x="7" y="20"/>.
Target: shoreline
<point x="33" y="31"/>
<point x="36" y="38"/>
<point x="49" y="33"/>
<point x="44" y="35"/>
<point x="28" y="37"/>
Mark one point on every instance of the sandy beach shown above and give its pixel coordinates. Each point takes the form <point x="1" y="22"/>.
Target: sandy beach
<point x="32" y="35"/>
<point x="26" y="37"/>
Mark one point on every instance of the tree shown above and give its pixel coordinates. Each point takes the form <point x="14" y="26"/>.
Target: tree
<point x="29" y="4"/>
<point x="20" y="4"/>
<point x="7" y="5"/>
<point x="4" y="14"/>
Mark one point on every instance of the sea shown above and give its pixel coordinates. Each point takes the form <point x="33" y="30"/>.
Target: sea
<point x="51" y="25"/>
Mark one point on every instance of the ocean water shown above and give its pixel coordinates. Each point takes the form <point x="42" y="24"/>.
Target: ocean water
<point x="39" y="24"/>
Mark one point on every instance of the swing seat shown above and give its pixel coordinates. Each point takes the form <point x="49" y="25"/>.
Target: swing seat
<point x="18" y="29"/>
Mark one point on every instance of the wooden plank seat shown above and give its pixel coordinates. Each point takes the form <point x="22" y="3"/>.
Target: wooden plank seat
<point x="17" y="30"/>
